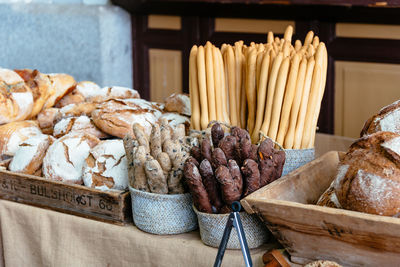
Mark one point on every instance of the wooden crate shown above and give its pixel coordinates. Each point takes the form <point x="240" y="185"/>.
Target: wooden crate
<point x="311" y="232"/>
<point x="113" y="207"/>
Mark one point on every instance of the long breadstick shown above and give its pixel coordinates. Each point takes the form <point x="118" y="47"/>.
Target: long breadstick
<point x="270" y="92"/>
<point x="315" y="42"/>
<point x="288" y="33"/>
<point x="312" y="103"/>
<point x="297" y="45"/>
<point x="262" y="92"/>
<point x="201" y="75"/>
<point x="278" y="98"/>
<point x="308" y="39"/>
<point x="288" y="100"/>
<point x="210" y="82"/>
<point x="217" y="85"/>
<point x="223" y="48"/>
<point x="289" y="138"/>
<point x="243" y="99"/>
<point x="194" y="90"/>
<point x="223" y="88"/>
<point x="238" y="84"/>
<point x="286" y="49"/>
<point x="270" y="38"/>
<point x="251" y="93"/>
<point x="230" y="58"/>
<point x="260" y="56"/>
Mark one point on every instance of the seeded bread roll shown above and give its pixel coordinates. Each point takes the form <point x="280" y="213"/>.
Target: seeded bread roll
<point x="368" y="177"/>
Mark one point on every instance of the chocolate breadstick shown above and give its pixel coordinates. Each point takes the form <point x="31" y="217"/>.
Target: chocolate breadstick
<point x="210" y="183"/>
<point x="218" y="158"/>
<point x="217" y="133"/>
<point x="229" y="190"/>
<point x="228" y="145"/>
<point x="251" y="176"/>
<point x="206" y="149"/>
<point x="234" y="169"/>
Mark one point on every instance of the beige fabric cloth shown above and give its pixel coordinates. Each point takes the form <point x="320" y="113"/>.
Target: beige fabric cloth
<point x="31" y="236"/>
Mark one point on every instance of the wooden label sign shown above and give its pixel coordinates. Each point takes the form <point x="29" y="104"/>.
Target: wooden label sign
<point x="79" y="200"/>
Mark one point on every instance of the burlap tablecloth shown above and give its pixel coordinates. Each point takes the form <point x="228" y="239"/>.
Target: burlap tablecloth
<point x="31" y="236"/>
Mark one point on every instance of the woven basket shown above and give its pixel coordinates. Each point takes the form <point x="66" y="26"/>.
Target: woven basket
<point x="163" y="214"/>
<point x="295" y="158"/>
<point x="212" y="228"/>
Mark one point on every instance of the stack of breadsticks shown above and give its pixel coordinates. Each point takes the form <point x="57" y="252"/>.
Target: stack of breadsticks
<point x="274" y="89"/>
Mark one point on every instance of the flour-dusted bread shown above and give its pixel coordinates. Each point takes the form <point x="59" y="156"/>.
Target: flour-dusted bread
<point x="65" y="157"/>
<point x="81" y="91"/>
<point x="62" y="84"/>
<point x="114" y="92"/>
<point x="368" y="177"/>
<point x="41" y="87"/>
<point x="29" y="156"/>
<point x="106" y="166"/>
<point x="323" y="263"/>
<point x="174" y="119"/>
<point x="116" y="117"/>
<point x="178" y="103"/>
<point x="329" y="198"/>
<point x="47" y="118"/>
<point x="387" y="119"/>
<point x="81" y="124"/>
<point x="16" y="99"/>
<point x="76" y="110"/>
<point x="14" y="133"/>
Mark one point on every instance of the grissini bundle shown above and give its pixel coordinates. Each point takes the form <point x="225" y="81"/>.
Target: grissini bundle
<point x="194" y="89"/>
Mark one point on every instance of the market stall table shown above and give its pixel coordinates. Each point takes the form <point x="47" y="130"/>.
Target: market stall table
<point x="31" y="236"/>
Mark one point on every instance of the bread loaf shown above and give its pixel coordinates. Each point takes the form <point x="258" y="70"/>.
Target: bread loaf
<point x="174" y="119"/>
<point x="179" y="103"/>
<point x="62" y="84"/>
<point x="106" y="166"/>
<point x="368" y="177"/>
<point x="47" y="118"/>
<point x="107" y="93"/>
<point x="29" y="156"/>
<point x="81" y="91"/>
<point x="388" y="119"/>
<point x="81" y="124"/>
<point x="65" y="158"/>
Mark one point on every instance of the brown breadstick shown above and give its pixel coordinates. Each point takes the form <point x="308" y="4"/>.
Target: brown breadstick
<point x="289" y="138"/>
<point x="278" y="98"/>
<point x="155" y="141"/>
<point x="202" y="80"/>
<point x="270" y="38"/>
<point x="194" y="90"/>
<point x="251" y="93"/>
<point x="308" y="39"/>
<point x="262" y="92"/>
<point x="288" y="100"/>
<point x="270" y="92"/>
<point x="288" y="33"/>
<point x="297" y="45"/>
<point x="303" y="104"/>
<point x="217" y="85"/>
<point x="210" y="82"/>
<point x="243" y="100"/>
<point x="230" y="59"/>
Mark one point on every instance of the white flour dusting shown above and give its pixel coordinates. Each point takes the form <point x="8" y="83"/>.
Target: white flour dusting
<point x="342" y="170"/>
<point x="390" y="122"/>
<point x="393" y="145"/>
<point x="87" y="89"/>
<point x="24" y="101"/>
<point x="19" y="136"/>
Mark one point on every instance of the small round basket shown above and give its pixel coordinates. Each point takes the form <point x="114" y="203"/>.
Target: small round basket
<point x="212" y="228"/>
<point x="162" y="214"/>
<point x="295" y="158"/>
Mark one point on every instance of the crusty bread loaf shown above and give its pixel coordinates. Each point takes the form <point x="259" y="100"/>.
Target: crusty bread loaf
<point x="14" y="133"/>
<point x="81" y="91"/>
<point x="178" y="103"/>
<point x="16" y="99"/>
<point x="81" y="124"/>
<point x="329" y="198"/>
<point x="106" y="166"/>
<point x="368" y="177"/>
<point x="174" y="119"/>
<point x="62" y="84"/>
<point x="41" y="87"/>
<point x="387" y="119"/>
<point x="65" y="157"/>
<point x="29" y="156"/>
<point x="76" y="110"/>
<point x="114" y="92"/>
<point x="47" y="118"/>
<point x="322" y="263"/>
<point x="116" y="117"/>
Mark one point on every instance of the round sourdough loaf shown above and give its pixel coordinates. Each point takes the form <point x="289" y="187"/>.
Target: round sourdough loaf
<point x="368" y="177"/>
<point x="174" y="119"/>
<point x="106" y="166"/>
<point x="387" y="119"/>
<point x="14" y="133"/>
<point x="81" y="124"/>
<point x="29" y="156"/>
<point x="79" y="94"/>
<point x="62" y="85"/>
<point x="117" y="116"/>
<point x="16" y="99"/>
<point x="47" y="118"/>
<point x="65" y="157"/>
<point x="178" y="103"/>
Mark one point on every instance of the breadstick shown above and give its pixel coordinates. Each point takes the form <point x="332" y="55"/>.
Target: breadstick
<point x="194" y="90"/>
<point x="278" y="98"/>
<point x="262" y="92"/>
<point x="289" y="138"/>
<point x="210" y="82"/>
<point x="201" y="75"/>
<point x="243" y="100"/>
<point x="260" y="56"/>
<point x="272" y="59"/>
<point x="281" y="44"/>
<point x="315" y="42"/>
<point x="270" y="92"/>
<point x="223" y="48"/>
<point x="288" y="33"/>
<point x="288" y="100"/>
<point x="310" y="51"/>
<point x="251" y="93"/>
<point x="309" y="38"/>
<point x="303" y="104"/>
<point x="224" y="92"/>
<point x="286" y="50"/>
<point x="217" y="84"/>
<point x="238" y="69"/>
<point x="230" y="59"/>
<point x="297" y="45"/>
<point x="270" y="38"/>
<point x="312" y="103"/>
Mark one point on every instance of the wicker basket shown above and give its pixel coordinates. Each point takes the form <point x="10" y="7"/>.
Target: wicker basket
<point x="163" y="214"/>
<point x="295" y="158"/>
<point x="212" y="228"/>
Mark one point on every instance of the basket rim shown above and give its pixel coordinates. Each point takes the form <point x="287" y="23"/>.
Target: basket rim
<point x="302" y="149"/>
<point x="213" y="214"/>
<point x="166" y="196"/>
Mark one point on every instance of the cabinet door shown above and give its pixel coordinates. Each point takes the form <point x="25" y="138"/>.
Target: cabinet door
<point x="361" y="90"/>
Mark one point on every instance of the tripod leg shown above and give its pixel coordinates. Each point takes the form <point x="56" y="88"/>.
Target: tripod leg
<point x="224" y="241"/>
<point x="242" y="239"/>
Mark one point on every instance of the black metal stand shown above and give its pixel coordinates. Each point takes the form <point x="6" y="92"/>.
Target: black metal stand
<point x="234" y="221"/>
